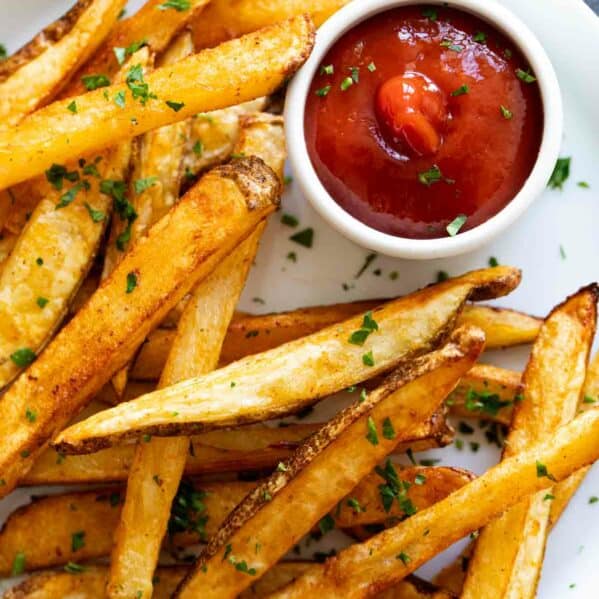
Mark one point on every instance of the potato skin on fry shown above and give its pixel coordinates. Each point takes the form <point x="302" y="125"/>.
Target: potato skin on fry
<point x="100" y="338"/>
<point x="255" y="65"/>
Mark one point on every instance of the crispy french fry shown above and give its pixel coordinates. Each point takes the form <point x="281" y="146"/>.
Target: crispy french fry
<point x="55" y="251"/>
<point x="250" y="334"/>
<point x="150" y="24"/>
<point x="152" y="278"/>
<point x="46" y="526"/>
<point x="90" y="584"/>
<point x="249" y="67"/>
<point x="227" y="19"/>
<point x="248" y="449"/>
<point x="486" y="392"/>
<point x="39" y="79"/>
<point x="511" y="548"/>
<point x="7" y="243"/>
<point x="391" y="555"/>
<point x="286" y="379"/>
<point x="294" y="498"/>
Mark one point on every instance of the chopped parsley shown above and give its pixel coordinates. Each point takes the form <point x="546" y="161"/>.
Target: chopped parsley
<point x="562" y="252"/>
<point x="42" y="302"/>
<point x="372" y="434"/>
<point x="419" y="479"/>
<point x="451" y="46"/>
<point x="31" y="415"/>
<point x="430" y="14"/>
<point x="346" y="84"/>
<point x="367" y="262"/>
<point x="369" y="325"/>
<point x="56" y="174"/>
<point x="72" y="107"/>
<point x="39" y="261"/>
<point x="326" y="524"/>
<point x="323" y="91"/>
<point x="131" y="281"/>
<point x="525" y="76"/>
<point x="292" y="257"/>
<point x="480" y="37"/>
<point x="3" y="52"/>
<point x="371" y="67"/>
<point x="433" y="175"/>
<point x="548" y="497"/>
<point x="368" y="359"/>
<point x="593" y="499"/>
<point x="92" y="82"/>
<point x="460" y="91"/>
<point x="122" y="53"/>
<point x="353" y="503"/>
<point x="404" y="557"/>
<point x="136" y="83"/>
<point x="588" y="399"/>
<point x="465" y="428"/>
<point x="68" y="197"/>
<point x="328" y="69"/>
<point x="77" y="540"/>
<point x="97" y="216"/>
<point x="73" y="568"/>
<point x="140" y="185"/>
<point x="178" y="5"/>
<point x="119" y="99"/>
<point x="560" y="173"/>
<point x="355" y="74"/>
<point x="394" y="489"/>
<point x="453" y="228"/>
<point x="289" y="220"/>
<point x="18" y="564"/>
<point x="242" y="566"/>
<point x="188" y="511"/>
<point x="198" y="148"/>
<point x="23" y="357"/>
<point x="493" y="262"/>
<point x="485" y="401"/>
<point x="542" y="472"/>
<point x="506" y="113"/>
<point x="442" y="276"/>
<point x="388" y="430"/>
<point x="305" y="237"/>
<point x="176" y="106"/>
<point x="583" y="185"/>
<point x="393" y="275"/>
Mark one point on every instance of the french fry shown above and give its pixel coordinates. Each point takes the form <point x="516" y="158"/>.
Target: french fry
<point x="90" y="584"/>
<point x="40" y="78"/>
<point x="294" y="498"/>
<point x="151" y="24"/>
<point x="249" y="67"/>
<point x="44" y="529"/>
<point x="252" y="448"/>
<point x="55" y="251"/>
<point x="388" y="557"/>
<point x="250" y="334"/>
<point x="292" y="376"/>
<point x="195" y="350"/>
<point x="7" y="243"/>
<point x="148" y="282"/>
<point x="512" y="547"/>
<point x="223" y="20"/>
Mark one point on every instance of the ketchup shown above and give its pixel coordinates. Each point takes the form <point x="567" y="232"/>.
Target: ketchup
<point x="421" y="116"/>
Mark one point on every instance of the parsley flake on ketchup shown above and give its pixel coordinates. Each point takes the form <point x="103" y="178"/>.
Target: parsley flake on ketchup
<point x="428" y="124"/>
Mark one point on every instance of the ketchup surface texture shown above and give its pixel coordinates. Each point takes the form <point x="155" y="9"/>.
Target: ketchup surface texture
<point x="422" y="119"/>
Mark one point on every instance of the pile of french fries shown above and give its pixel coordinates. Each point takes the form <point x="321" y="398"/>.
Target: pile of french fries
<point x="138" y="165"/>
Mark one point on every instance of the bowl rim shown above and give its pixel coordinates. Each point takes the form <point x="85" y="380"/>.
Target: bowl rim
<point x="501" y="19"/>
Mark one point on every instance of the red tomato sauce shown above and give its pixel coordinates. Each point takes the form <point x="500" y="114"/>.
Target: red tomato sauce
<point x="419" y="116"/>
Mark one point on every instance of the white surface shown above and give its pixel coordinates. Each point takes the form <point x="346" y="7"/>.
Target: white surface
<point x="501" y="19"/>
<point x="569" y="32"/>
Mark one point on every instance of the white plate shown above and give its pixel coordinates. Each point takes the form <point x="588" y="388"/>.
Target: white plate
<point x="568" y="219"/>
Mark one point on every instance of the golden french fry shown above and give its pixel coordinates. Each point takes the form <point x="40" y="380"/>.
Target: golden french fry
<point x="154" y="26"/>
<point x="7" y="243"/>
<point x="286" y="379"/>
<point x="248" y="449"/>
<point x="39" y="79"/>
<point x="250" y="334"/>
<point x="393" y="554"/>
<point x="148" y="282"/>
<point x="511" y="548"/>
<point x="249" y="67"/>
<point x="223" y="20"/>
<point x="45" y="527"/>
<point x="295" y="497"/>
<point x="90" y="584"/>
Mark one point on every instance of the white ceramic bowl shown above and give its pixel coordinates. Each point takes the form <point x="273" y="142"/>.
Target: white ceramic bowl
<point x="305" y="175"/>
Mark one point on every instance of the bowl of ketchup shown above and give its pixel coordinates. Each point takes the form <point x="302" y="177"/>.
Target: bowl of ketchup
<point x="423" y="130"/>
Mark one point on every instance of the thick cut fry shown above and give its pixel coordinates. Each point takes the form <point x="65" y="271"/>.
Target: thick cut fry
<point x="235" y="72"/>
<point x="149" y="281"/>
<point x="55" y="251"/>
<point x="287" y="378"/>
<point x="36" y="81"/>
<point x="150" y="24"/>
<point x="367" y="568"/>
<point x="510" y="550"/>
<point x="486" y="392"/>
<point x="326" y="468"/>
<point x="227" y="19"/>
<point x="90" y="584"/>
<point x="46" y="526"/>
<point x="250" y="334"/>
<point x="249" y="449"/>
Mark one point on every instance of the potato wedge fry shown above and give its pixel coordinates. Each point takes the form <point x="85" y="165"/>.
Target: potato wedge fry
<point x="155" y="26"/>
<point x="250" y="334"/>
<point x="511" y="548"/>
<point x="46" y="38"/>
<point x="90" y="584"/>
<point x="249" y="449"/>
<point x="294" y="498"/>
<point x="46" y="526"/>
<point x="248" y="68"/>
<point x="379" y="563"/>
<point x="286" y="379"/>
<point x="152" y="278"/>
<point x="223" y="20"/>
<point x="55" y="251"/>
<point x="39" y="79"/>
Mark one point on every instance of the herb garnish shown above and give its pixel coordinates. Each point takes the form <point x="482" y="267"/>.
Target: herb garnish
<point x="480" y="37"/>
<point x="136" y="83"/>
<point x="485" y="401"/>
<point x="369" y="325"/>
<point x="23" y="357"/>
<point x="42" y="302"/>
<point x="451" y="46"/>
<point x="404" y="557"/>
<point x="394" y="489"/>
<point x="18" y="564"/>
<point x="453" y="228"/>
<point x="560" y="173"/>
<point x="346" y="83"/>
<point x="122" y="53"/>
<point x="97" y="216"/>
<point x="77" y="540"/>
<point x="372" y="434"/>
<point x="543" y="472"/>
<point x="72" y="107"/>
<point x="305" y="237"/>
<point x="92" y="82"/>
<point x="430" y="14"/>
<point x="368" y="359"/>
<point x="176" y="106"/>
<point x="525" y="76"/>
<point x="68" y="197"/>
<point x="506" y="113"/>
<point x="367" y="262"/>
<point x="178" y="5"/>
<point x="388" y="430"/>
<point x="289" y="220"/>
<point x="57" y="173"/>
<point x="187" y="511"/>
<point x="31" y="415"/>
<point x="140" y="185"/>
<point x="460" y="91"/>
<point x="73" y="568"/>
<point x="323" y="91"/>
<point x="131" y="281"/>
